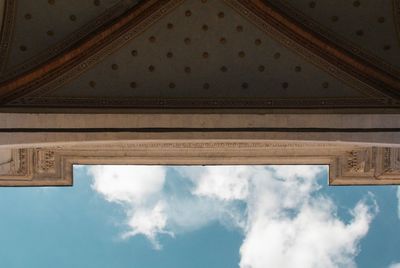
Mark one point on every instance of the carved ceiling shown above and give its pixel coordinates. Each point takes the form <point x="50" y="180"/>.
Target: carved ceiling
<point x="38" y="30"/>
<point x="368" y="28"/>
<point x="205" y="51"/>
<point x="202" y="54"/>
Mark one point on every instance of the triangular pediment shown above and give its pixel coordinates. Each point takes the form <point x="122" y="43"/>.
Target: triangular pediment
<point x="202" y="54"/>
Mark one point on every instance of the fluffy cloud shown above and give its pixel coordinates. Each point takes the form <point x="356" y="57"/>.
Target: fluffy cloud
<point x="290" y="226"/>
<point x="226" y="183"/>
<point x="138" y="189"/>
<point x="395" y="265"/>
<point x="286" y="223"/>
<point x="128" y="184"/>
<point x="150" y="211"/>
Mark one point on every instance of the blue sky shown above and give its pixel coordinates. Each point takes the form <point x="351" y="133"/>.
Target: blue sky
<point x="154" y="216"/>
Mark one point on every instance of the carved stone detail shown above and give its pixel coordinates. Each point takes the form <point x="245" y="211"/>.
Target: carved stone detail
<point x="359" y="161"/>
<point x="200" y="103"/>
<point x="375" y="165"/>
<point x="389" y="163"/>
<point x="17" y="164"/>
<point x="349" y="164"/>
<point x="46" y="162"/>
<point x="20" y="162"/>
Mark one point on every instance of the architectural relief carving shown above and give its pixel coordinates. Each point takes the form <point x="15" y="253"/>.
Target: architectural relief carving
<point x="348" y="99"/>
<point x="359" y="161"/>
<point x="375" y="165"/>
<point x="15" y="164"/>
<point x="349" y="164"/>
<point x="46" y="161"/>
<point x="388" y="163"/>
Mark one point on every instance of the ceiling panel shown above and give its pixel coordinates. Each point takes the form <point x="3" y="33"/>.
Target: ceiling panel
<point x="38" y="30"/>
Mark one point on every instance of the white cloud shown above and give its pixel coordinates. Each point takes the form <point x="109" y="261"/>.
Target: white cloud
<point x="314" y="237"/>
<point x="122" y="183"/>
<point x="148" y="221"/>
<point x="286" y="222"/>
<point x="138" y="189"/>
<point x="149" y="210"/>
<point x="395" y="265"/>
<point x="226" y="183"/>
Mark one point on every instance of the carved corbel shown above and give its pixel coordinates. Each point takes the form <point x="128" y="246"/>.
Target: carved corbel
<point x="367" y="166"/>
<point x="31" y="167"/>
<point x="388" y="164"/>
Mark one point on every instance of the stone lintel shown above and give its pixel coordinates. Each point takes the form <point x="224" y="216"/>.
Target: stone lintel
<point x="349" y="164"/>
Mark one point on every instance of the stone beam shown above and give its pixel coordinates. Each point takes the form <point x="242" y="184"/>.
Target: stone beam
<point x="32" y="130"/>
<point x="53" y="166"/>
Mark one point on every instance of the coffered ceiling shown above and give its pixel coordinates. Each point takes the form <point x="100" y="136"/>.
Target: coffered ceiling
<point x="368" y="28"/>
<point x="40" y="29"/>
<point x="201" y="54"/>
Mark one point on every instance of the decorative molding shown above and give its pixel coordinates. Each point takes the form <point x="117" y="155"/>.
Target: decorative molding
<point x="18" y="167"/>
<point x="201" y="103"/>
<point x="371" y="166"/>
<point x="349" y="164"/>
<point x="226" y="145"/>
<point x="45" y="162"/>
<point x="21" y="162"/>
<point x="388" y="165"/>
<point x="357" y="163"/>
<point x="32" y="167"/>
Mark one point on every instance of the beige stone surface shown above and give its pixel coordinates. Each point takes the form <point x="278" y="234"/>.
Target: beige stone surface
<point x="221" y="120"/>
<point x="349" y="164"/>
<point x="40" y="149"/>
<point x="369" y="129"/>
<point x="28" y="140"/>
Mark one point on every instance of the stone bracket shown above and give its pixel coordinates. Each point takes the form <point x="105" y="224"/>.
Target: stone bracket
<point x="368" y="166"/>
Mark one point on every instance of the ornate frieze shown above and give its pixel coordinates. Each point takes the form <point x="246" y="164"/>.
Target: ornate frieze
<point x="349" y="164"/>
<point x="45" y="162"/>
<point x="388" y="163"/>
<point x="15" y="163"/>
<point x="374" y="165"/>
